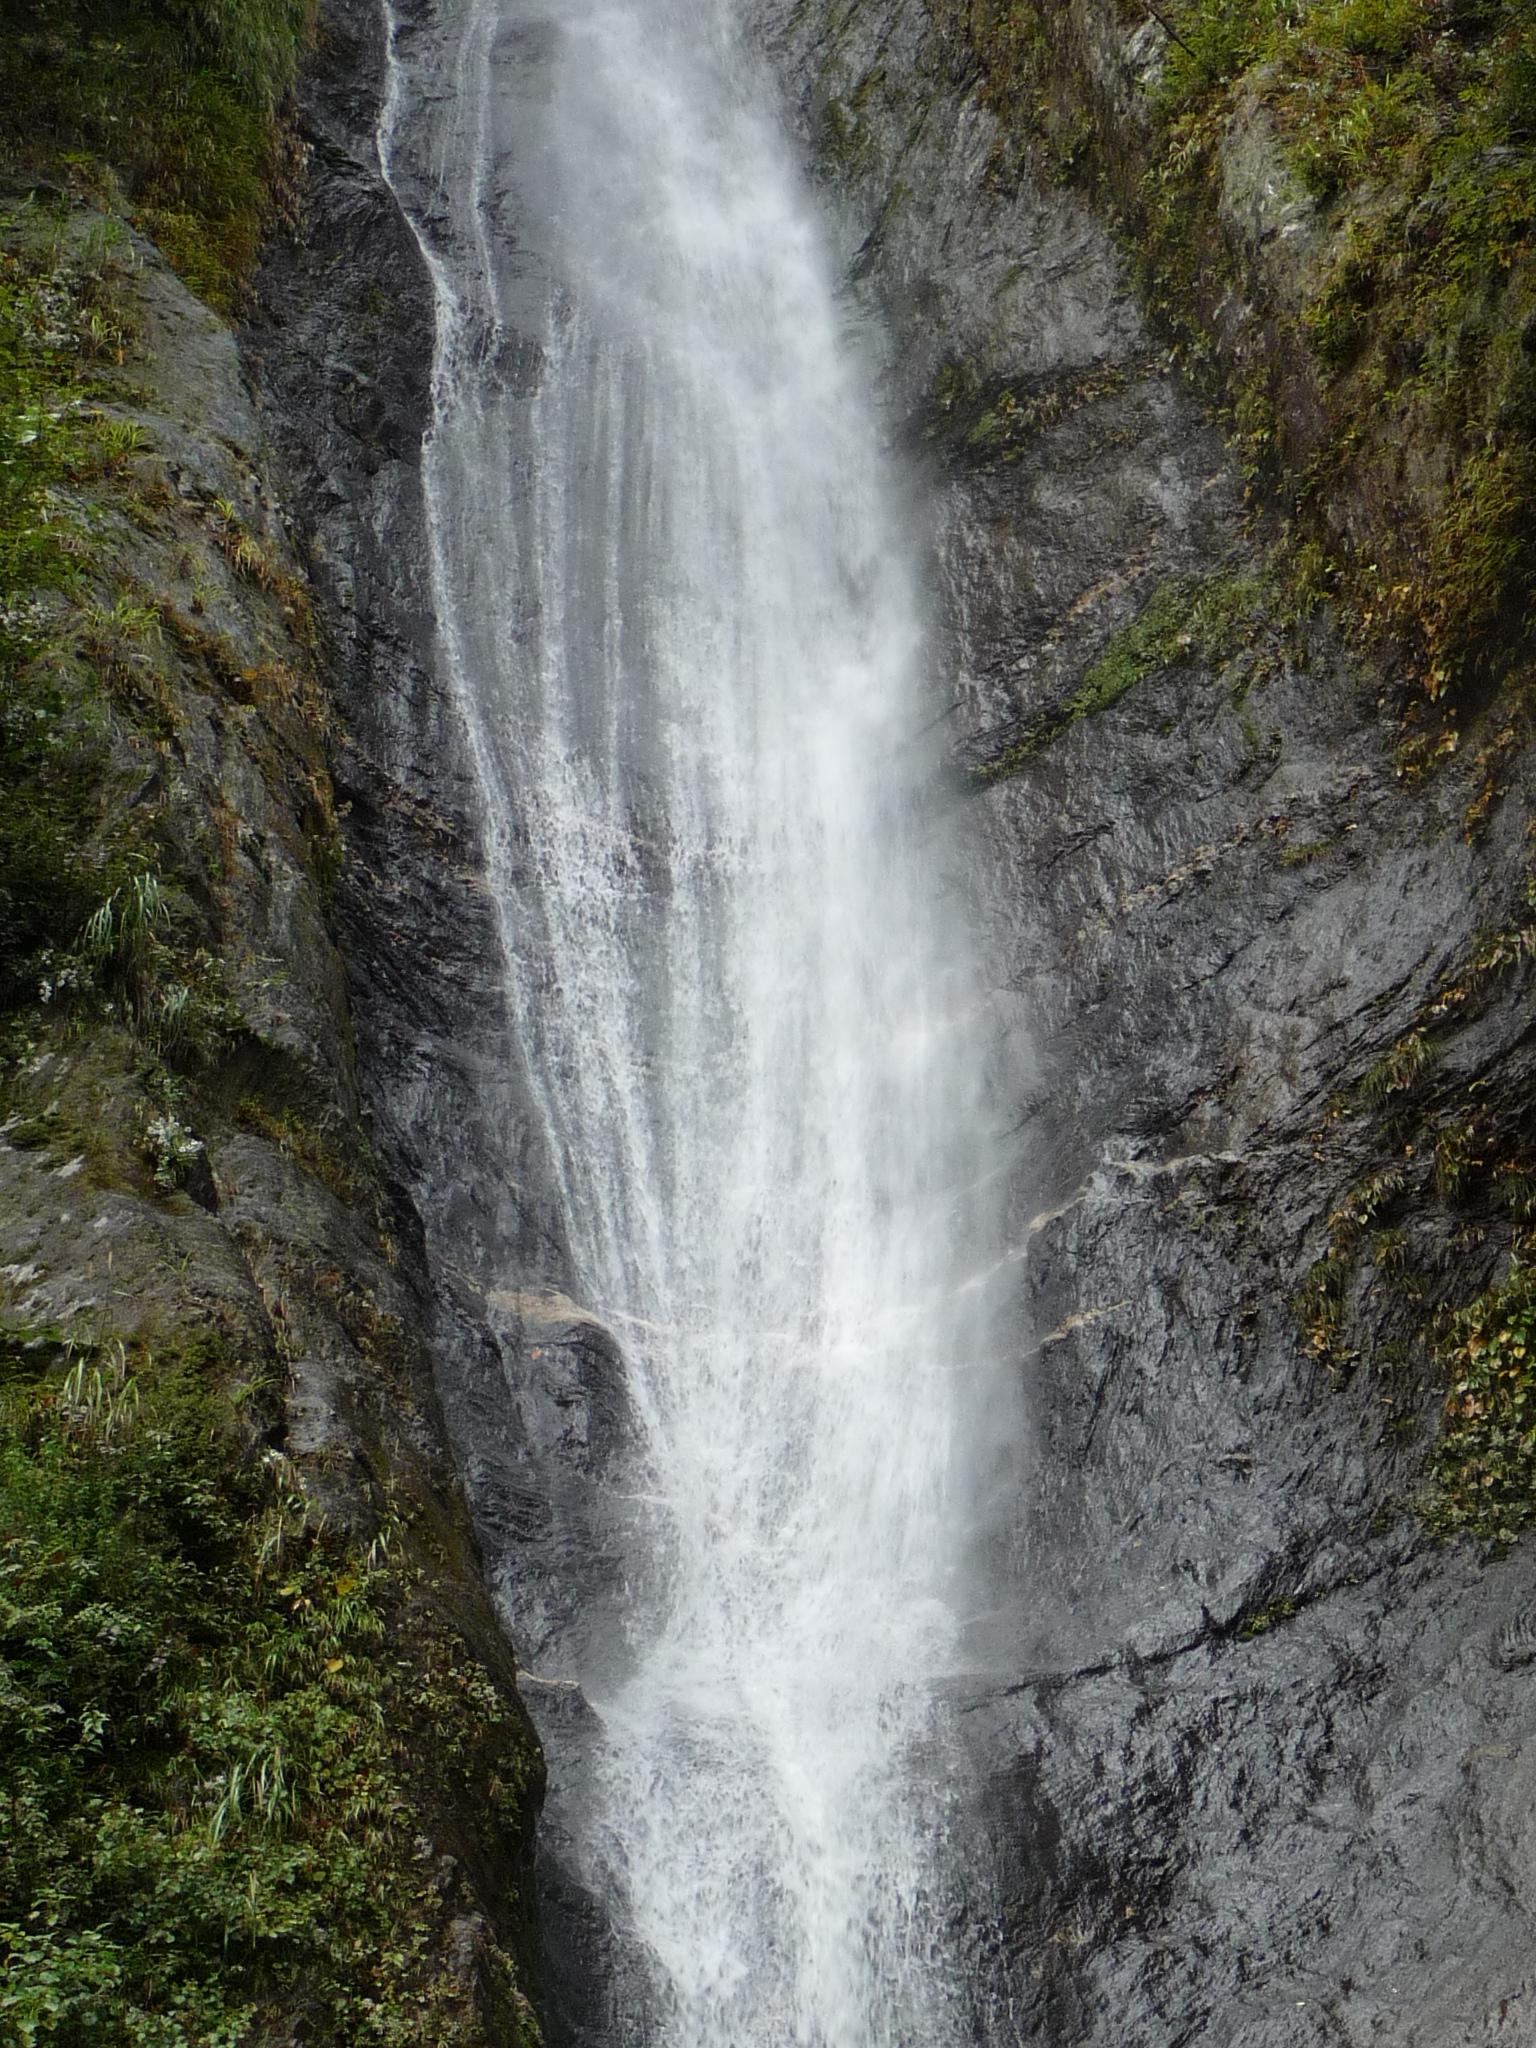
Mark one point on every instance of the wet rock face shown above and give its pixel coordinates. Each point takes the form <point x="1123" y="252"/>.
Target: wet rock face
<point x="232" y="770"/>
<point x="1257" y="1754"/>
<point x="1256" y="1749"/>
<point x="531" y="1388"/>
<point x="341" y="352"/>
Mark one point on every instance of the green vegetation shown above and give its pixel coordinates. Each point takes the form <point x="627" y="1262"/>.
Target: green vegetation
<point x="1409" y="124"/>
<point x="1185" y="620"/>
<point x="88" y="912"/>
<point x="843" y="144"/>
<point x="179" y="103"/>
<point x="1380" y="368"/>
<point x="998" y="426"/>
<point x="1323" y="1301"/>
<point x="222" y="1731"/>
<point x="1483" y="1481"/>
<point x="172" y="1150"/>
<point x="104" y="895"/>
<point x="1182" y="621"/>
<point x="1303" y="852"/>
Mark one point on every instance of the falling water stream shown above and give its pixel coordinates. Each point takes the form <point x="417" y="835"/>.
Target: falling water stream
<point x="680" y="609"/>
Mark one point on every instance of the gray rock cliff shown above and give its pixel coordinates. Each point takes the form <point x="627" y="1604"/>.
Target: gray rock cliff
<point x="1256" y="1743"/>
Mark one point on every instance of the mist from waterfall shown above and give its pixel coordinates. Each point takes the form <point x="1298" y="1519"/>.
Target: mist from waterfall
<point x="680" y="608"/>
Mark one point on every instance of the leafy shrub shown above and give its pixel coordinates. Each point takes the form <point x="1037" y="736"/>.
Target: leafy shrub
<point x="208" y="1734"/>
<point x="1484" y="1477"/>
<point x="173" y="1150"/>
<point x="1407" y="119"/>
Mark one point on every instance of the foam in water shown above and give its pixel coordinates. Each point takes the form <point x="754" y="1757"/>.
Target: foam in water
<point x="681" y="614"/>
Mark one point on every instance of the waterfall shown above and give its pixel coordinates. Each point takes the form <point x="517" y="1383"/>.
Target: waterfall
<point x="679" y="605"/>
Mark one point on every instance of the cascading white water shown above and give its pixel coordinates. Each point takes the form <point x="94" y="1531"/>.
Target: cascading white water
<point x="680" y="610"/>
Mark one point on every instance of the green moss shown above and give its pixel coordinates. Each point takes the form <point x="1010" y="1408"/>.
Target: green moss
<point x="987" y="424"/>
<point x="1410" y="128"/>
<point x="72" y="845"/>
<point x="216" y="1730"/>
<point x="181" y="104"/>
<point x="348" y="1180"/>
<point x="1305" y="851"/>
<point x="1265" y="1618"/>
<point x="1185" y="620"/>
<point x="99" y="668"/>
<point x="65" y="837"/>
<point x="1454" y="1169"/>
<point x="844" y="142"/>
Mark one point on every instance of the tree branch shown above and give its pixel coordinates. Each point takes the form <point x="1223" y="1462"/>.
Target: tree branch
<point x="1167" y="26"/>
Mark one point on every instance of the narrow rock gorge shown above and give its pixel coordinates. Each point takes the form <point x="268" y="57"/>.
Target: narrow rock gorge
<point x="1086" y="1601"/>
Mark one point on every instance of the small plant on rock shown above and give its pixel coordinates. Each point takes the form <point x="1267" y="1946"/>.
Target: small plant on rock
<point x="1484" y="1476"/>
<point x="172" y="1150"/>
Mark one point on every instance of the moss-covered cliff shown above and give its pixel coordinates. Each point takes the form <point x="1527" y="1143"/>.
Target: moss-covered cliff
<point x="180" y="113"/>
<point x="264" y="1768"/>
<point x="1330" y="208"/>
